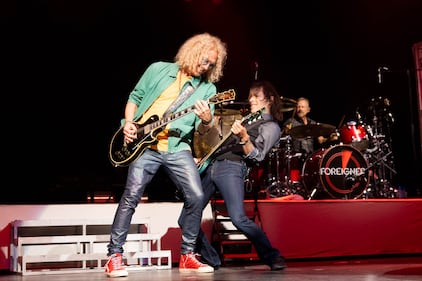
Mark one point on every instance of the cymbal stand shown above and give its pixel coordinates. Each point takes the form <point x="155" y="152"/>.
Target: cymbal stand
<point x="381" y="168"/>
<point x="277" y="188"/>
<point x="249" y="188"/>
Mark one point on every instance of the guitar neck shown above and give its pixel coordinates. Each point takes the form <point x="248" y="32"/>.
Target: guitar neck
<point x="216" y="99"/>
<point x="165" y="120"/>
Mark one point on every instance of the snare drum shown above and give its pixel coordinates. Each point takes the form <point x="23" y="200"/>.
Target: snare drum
<point x="340" y="171"/>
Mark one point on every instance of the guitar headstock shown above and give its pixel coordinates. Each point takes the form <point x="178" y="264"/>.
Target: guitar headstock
<point x="225" y="96"/>
<point x="253" y="116"/>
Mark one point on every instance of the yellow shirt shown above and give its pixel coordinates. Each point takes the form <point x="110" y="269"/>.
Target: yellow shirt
<point x="160" y="105"/>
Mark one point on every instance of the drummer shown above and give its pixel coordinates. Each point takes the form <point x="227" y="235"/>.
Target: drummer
<point x="308" y="143"/>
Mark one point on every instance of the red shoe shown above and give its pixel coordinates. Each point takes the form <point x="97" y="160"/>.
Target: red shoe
<point x="114" y="267"/>
<point x="189" y="263"/>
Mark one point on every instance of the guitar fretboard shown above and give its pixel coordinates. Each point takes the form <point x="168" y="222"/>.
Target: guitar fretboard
<point x="216" y="99"/>
<point x="165" y="120"/>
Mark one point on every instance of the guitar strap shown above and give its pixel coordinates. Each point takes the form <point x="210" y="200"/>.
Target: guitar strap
<point x="187" y="92"/>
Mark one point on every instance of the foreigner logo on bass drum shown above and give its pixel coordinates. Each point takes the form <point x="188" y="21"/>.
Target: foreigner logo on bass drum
<point x="340" y="170"/>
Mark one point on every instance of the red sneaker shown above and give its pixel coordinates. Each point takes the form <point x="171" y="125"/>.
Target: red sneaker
<point x="114" y="267"/>
<point x="189" y="263"/>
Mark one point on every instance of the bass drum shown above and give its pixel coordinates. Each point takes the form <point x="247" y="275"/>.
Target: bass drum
<point x="339" y="171"/>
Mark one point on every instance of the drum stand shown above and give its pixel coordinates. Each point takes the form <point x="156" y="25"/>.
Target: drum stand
<point x="381" y="169"/>
<point x="276" y="187"/>
<point x="379" y="153"/>
<point x="249" y="188"/>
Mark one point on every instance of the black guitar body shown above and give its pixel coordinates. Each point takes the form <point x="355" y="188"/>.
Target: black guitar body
<point x="122" y="154"/>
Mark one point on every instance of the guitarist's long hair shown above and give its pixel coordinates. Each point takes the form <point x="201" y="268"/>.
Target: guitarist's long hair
<point x="191" y="50"/>
<point x="271" y="94"/>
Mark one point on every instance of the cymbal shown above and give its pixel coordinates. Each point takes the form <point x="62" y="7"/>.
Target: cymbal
<point x="288" y="100"/>
<point x="226" y="112"/>
<point x="233" y="105"/>
<point x="236" y="103"/>
<point x="202" y="144"/>
<point x="312" y="130"/>
<point x="287" y="104"/>
<point x="285" y="108"/>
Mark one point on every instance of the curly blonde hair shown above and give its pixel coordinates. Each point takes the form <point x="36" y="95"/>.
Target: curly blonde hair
<point x="191" y="50"/>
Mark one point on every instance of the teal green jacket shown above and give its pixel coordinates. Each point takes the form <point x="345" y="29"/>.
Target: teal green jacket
<point x="157" y="77"/>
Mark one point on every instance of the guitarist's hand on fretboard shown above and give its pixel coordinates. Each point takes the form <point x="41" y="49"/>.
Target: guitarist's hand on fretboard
<point x="239" y="130"/>
<point x="202" y="110"/>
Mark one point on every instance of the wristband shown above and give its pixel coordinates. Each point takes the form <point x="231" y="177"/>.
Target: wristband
<point x="206" y="123"/>
<point x="244" y="142"/>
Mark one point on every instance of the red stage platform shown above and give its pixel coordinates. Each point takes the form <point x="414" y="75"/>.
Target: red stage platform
<point x="298" y="228"/>
<point x="331" y="228"/>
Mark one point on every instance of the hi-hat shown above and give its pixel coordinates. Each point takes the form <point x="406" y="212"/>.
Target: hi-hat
<point x="312" y="130"/>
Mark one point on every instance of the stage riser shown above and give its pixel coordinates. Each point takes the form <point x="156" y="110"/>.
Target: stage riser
<point x="300" y="229"/>
<point x="330" y="228"/>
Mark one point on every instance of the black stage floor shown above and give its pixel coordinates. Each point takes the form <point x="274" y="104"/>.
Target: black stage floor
<point x="394" y="268"/>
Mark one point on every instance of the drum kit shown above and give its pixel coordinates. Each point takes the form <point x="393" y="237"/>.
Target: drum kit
<point x="358" y="164"/>
<point x="336" y="171"/>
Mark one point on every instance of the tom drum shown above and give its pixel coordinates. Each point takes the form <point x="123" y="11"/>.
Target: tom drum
<point x="355" y="135"/>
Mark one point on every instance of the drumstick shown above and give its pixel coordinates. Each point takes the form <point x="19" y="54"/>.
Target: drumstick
<point x="341" y="121"/>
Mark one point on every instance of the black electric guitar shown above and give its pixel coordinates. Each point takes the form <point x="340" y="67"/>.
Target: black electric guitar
<point x="207" y="159"/>
<point x="122" y="154"/>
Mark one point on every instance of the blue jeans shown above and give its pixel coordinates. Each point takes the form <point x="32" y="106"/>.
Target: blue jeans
<point x="180" y="168"/>
<point x="229" y="178"/>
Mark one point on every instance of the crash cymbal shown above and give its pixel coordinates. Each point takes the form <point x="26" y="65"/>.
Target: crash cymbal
<point x="226" y="112"/>
<point x="287" y="104"/>
<point x="285" y="108"/>
<point x="288" y="100"/>
<point x="312" y="130"/>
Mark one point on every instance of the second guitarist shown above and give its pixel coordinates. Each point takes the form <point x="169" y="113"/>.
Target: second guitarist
<point x="250" y="142"/>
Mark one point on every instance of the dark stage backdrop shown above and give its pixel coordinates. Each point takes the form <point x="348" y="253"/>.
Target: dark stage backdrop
<point x="68" y="67"/>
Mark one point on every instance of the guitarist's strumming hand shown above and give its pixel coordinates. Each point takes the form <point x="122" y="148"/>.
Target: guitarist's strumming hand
<point x="129" y="130"/>
<point x="239" y="130"/>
